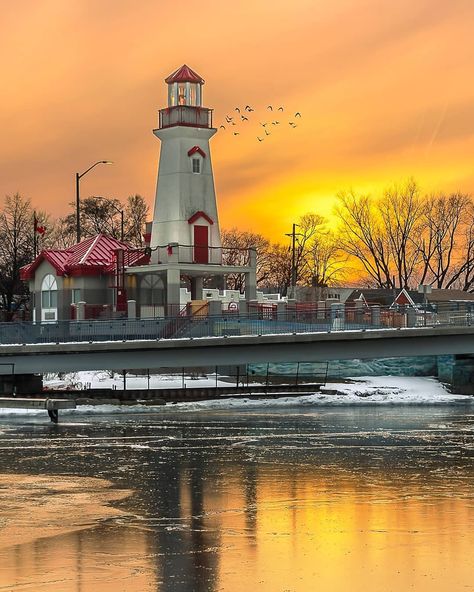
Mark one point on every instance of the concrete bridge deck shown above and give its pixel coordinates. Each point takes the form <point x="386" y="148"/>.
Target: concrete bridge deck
<point x="233" y="350"/>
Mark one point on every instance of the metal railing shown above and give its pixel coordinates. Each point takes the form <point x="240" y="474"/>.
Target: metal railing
<point x="283" y="322"/>
<point x="185" y="115"/>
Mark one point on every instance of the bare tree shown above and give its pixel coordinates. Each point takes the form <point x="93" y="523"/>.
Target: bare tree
<point x="236" y="251"/>
<point x="309" y="227"/>
<point x="136" y="213"/>
<point x="401" y="212"/>
<point x="16" y="249"/>
<point x="362" y="236"/>
<point x="326" y="264"/>
<point x="278" y="269"/>
<point x="445" y="238"/>
<point x="103" y="215"/>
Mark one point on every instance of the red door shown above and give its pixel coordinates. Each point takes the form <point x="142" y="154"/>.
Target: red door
<point x="201" y="244"/>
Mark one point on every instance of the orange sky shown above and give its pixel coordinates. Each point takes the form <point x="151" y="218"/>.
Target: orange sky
<point x="385" y="89"/>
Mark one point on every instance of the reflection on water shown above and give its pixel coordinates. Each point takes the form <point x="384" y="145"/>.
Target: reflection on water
<point x="366" y="500"/>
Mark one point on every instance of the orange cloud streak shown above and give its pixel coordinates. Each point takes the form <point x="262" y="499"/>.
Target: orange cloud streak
<point x="385" y="91"/>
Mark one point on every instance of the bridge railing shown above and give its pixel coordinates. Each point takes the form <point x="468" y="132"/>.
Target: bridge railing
<point x="179" y="327"/>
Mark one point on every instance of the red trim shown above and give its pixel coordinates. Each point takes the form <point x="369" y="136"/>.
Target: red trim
<point x="28" y="271"/>
<point x="195" y="149"/>
<point x="181" y="124"/>
<point x="83" y="270"/>
<point x="198" y="215"/>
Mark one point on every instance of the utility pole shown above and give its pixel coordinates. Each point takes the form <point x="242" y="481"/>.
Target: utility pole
<point x="293" y="259"/>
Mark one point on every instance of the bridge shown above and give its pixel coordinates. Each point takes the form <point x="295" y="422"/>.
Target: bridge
<point x="113" y="345"/>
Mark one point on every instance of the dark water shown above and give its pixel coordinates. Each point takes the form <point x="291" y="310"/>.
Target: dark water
<point x="369" y="499"/>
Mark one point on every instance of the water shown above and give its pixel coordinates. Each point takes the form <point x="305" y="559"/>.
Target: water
<point x="369" y="499"/>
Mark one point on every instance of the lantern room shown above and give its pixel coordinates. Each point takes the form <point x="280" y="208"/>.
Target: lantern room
<point x="185" y="101"/>
<point x="184" y="88"/>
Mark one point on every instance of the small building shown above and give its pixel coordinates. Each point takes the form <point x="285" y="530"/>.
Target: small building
<point x="61" y="278"/>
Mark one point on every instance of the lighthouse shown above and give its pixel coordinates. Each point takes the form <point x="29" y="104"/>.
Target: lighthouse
<point x="185" y="250"/>
<point x="185" y="212"/>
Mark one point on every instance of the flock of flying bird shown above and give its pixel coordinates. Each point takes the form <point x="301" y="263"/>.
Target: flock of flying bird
<point x="244" y="115"/>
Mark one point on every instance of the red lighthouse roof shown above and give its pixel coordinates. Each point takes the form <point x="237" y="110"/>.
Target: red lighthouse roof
<point x="184" y="74"/>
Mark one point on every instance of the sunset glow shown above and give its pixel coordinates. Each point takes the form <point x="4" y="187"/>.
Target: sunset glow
<point x="385" y="91"/>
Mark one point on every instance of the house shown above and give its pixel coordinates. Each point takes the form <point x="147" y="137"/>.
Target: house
<point x="61" y="278"/>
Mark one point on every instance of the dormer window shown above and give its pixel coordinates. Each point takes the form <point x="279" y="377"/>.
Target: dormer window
<point x="196" y="165"/>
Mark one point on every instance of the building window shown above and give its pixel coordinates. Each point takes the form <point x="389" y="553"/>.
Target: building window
<point x="196" y="165"/>
<point x="75" y="295"/>
<point x="49" y="292"/>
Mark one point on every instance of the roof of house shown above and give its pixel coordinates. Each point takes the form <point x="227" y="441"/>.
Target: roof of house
<point x="449" y="295"/>
<point x="184" y="74"/>
<point x="94" y="255"/>
<point x="383" y="297"/>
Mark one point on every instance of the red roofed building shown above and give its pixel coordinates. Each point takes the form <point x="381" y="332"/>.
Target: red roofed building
<point x="86" y="272"/>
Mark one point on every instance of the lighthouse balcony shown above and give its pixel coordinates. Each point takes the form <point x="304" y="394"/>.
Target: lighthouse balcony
<point x="185" y="115"/>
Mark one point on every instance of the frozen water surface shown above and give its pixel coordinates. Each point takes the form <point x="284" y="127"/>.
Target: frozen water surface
<point x="289" y="498"/>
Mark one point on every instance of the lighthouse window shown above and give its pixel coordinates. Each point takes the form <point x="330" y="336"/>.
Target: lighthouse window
<point x="196" y="165"/>
<point x="181" y="94"/>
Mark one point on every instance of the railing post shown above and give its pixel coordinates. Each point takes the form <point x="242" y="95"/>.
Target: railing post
<point x="411" y="317"/>
<point x="359" y="312"/>
<point x="132" y="309"/>
<point x="321" y="311"/>
<point x="375" y="315"/>
<point x="81" y="311"/>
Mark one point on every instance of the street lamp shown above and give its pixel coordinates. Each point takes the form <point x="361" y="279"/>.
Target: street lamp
<point x="117" y="210"/>
<point x="78" y="213"/>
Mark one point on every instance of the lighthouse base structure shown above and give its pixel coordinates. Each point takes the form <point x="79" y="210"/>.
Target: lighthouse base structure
<point x="167" y="278"/>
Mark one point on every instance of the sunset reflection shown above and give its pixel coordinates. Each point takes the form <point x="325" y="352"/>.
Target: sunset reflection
<point x="309" y="509"/>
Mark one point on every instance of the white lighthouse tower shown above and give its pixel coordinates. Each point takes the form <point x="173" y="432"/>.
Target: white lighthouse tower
<point x="185" y="248"/>
<point x="185" y="213"/>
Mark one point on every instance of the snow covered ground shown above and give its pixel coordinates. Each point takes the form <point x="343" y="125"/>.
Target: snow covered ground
<point x="373" y="390"/>
<point x="108" y="380"/>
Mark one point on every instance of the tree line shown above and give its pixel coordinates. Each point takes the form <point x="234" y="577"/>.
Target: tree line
<point x="396" y="239"/>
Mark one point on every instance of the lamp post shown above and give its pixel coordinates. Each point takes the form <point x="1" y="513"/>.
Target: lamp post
<point x="78" y="212"/>
<point x="117" y="210"/>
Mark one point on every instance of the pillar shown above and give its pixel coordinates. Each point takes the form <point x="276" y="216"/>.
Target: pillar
<point x="359" y="312"/>
<point x="196" y="288"/>
<point x="132" y="309"/>
<point x="173" y="283"/>
<point x="462" y="369"/>
<point x="411" y="317"/>
<point x="281" y="311"/>
<point x="251" y="276"/>
<point x="251" y="285"/>
<point x="215" y="308"/>
<point x="321" y="314"/>
<point x="81" y="311"/>
<point x="375" y="316"/>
